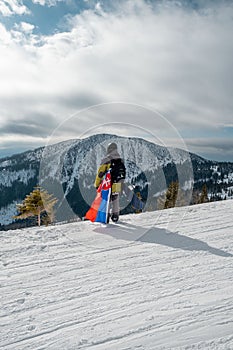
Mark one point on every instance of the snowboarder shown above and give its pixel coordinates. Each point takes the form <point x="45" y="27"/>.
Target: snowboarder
<point x="116" y="165"/>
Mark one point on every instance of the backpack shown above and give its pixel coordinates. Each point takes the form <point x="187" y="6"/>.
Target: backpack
<point x="117" y="170"/>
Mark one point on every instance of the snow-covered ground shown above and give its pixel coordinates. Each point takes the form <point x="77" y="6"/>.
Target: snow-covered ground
<point x="161" y="280"/>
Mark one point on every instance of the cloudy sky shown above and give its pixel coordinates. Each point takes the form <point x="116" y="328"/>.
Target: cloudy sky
<point x="58" y="58"/>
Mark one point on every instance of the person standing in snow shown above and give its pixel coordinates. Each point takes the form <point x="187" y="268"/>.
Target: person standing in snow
<point x="112" y="161"/>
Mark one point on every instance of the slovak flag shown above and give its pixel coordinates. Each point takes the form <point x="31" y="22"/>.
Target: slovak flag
<point x="100" y="206"/>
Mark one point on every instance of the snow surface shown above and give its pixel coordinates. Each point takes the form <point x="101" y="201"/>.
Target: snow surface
<point x="161" y="280"/>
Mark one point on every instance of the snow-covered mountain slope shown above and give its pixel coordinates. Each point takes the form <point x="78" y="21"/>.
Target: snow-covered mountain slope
<point x="158" y="280"/>
<point x="68" y="169"/>
<point x="82" y="159"/>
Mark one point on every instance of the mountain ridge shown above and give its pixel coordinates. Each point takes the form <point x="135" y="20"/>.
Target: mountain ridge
<point x="41" y="148"/>
<point x="70" y="167"/>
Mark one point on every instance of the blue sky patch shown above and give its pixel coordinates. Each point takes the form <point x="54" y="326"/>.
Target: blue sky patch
<point x="47" y="20"/>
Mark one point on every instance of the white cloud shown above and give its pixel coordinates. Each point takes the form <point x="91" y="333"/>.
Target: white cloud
<point x="4" y="9"/>
<point x="48" y="3"/>
<point x="176" y="60"/>
<point x="26" y="27"/>
<point x="5" y="36"/>
<point x="23" y="36"/>
<point x="12" y="7"/>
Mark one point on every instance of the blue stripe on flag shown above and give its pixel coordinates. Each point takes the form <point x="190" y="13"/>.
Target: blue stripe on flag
<point x="102" y="214"/>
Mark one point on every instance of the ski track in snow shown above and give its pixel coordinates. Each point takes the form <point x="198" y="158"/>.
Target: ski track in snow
<point x="161" y="280"/>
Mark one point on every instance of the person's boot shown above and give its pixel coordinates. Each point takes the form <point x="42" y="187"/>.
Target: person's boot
<point x="115" y="217"/>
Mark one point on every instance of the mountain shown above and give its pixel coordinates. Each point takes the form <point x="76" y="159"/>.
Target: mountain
<point x="156" y="280"/>
<point x="68" y="169"/>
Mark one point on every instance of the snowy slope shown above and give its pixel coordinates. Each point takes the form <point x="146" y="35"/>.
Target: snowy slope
<point x="161" y="280"/>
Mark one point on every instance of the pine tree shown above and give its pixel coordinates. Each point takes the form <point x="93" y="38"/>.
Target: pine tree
<point x="36" y="203"/>
<point x="171" y="195"/>
<point x="204" y="195"/>
<point x="196" y="197"/>
<point x="174" y="197"/>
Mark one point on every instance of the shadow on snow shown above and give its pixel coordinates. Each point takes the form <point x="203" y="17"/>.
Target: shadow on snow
<point x="160" y="236"/>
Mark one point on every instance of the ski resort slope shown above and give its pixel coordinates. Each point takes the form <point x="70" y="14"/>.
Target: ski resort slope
<point x="157" y="280"/>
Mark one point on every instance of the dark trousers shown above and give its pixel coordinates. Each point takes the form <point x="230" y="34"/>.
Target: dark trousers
<point x="114" y="204"/>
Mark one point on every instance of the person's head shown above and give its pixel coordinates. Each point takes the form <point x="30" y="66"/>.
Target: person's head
<point x="111" y="147"/>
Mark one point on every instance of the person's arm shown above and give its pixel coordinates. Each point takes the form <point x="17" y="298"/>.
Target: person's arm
<point x="100" y="174"/>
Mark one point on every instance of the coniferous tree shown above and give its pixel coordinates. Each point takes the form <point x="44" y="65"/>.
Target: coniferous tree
<point x="204" y="195"/>
<point x="171" y="195"/>
<point x="174" y="197"/>
<point x="196" y="197"/>
<point x="38" y="202"/>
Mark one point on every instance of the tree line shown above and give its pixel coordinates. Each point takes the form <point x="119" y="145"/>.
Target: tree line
<point x="39" y="204"/>
<point x="176" y="197"/>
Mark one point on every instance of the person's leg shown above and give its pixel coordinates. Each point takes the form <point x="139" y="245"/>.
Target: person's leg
<point x="115" y="207"/>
